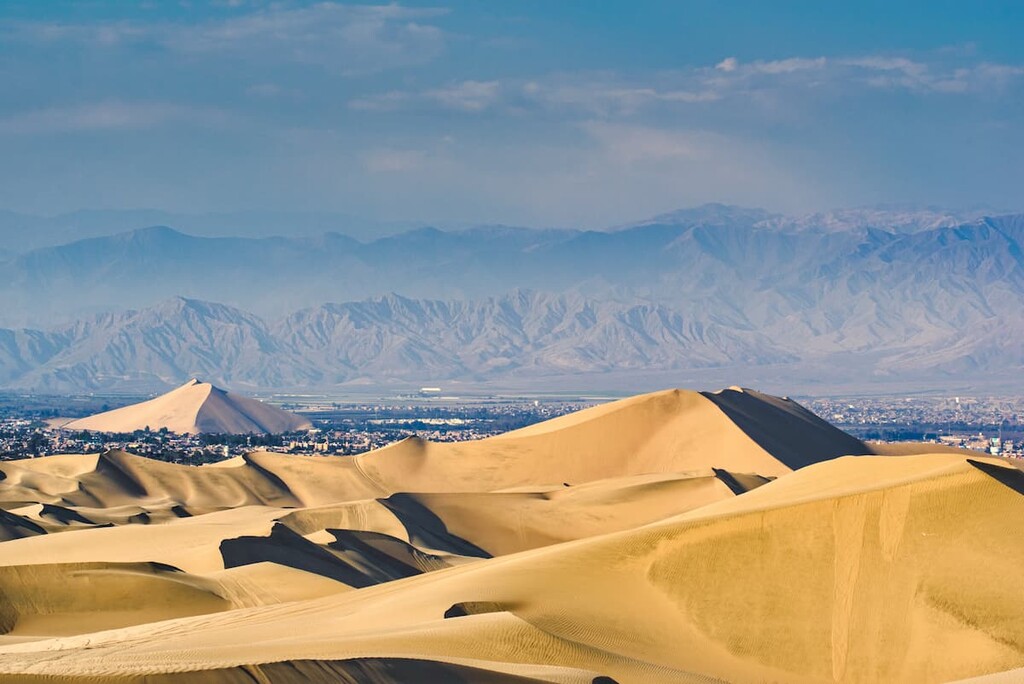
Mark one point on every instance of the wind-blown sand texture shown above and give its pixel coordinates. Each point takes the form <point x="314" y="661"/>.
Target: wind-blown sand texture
<point x="669" y="537"/>
<point x="193" y="408"/>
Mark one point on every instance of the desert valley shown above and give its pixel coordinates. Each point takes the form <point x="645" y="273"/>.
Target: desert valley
<point x="462" y="342"/>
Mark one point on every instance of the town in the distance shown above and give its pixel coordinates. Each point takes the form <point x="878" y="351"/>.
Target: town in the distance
<point x="43" y="425"/>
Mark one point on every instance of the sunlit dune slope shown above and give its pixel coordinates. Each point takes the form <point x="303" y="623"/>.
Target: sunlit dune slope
<point x="864" y="569"/>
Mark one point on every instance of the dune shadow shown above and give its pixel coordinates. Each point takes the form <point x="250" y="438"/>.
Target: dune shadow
<point x="786" y="430"/>
<point x="426" y="529"/>
<point x="467" y="608"/>
<point x="396" y="670"/>
<point x="14" y="526"/>
<point x="1011" y="477"/>
<point x="64" y="516"/>
<point x="740" y="483"/>
<point x="381" y="556"/>
<point x="292" y="550"/>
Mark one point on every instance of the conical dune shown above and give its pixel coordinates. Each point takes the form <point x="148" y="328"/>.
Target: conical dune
<point x="671" y="537"/>
<point x="193" y="408"/>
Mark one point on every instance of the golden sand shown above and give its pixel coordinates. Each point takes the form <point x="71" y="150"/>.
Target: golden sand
<point x="670" y="537"/>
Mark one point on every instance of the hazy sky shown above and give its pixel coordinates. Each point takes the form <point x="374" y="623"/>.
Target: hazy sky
<point x="532" y="112"/>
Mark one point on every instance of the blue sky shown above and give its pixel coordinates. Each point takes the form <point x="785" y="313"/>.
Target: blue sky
<point x="528" y="112"/>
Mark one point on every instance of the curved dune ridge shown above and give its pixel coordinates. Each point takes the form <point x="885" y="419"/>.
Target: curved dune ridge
<point x="670" y="537"/>
<point x="193" y="408"/>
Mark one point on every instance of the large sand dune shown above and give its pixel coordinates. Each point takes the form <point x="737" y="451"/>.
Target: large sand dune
<point x="193" y="408"/>
<point x="671" y="537"/>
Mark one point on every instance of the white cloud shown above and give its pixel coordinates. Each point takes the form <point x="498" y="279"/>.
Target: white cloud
<point x="352" y="39"/>
<point x="788" y="66"/>
<point x="392" y="161"/>
<point x="759" y="83"/>
<point x="109" y="115"/>
<point x="609" y="98"/>
<point x="383" y="102"/>
<point x="901" y="73"/>
<point x="467" y="96"/>
<point x="264" y="90"/>
<point x="728" y="64"/>
<point x="999" y="71"/>
<point x="587" y="95"/>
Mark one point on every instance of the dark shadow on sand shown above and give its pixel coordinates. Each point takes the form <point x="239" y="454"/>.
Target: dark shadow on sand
<point x="426" y="529"/>
<point x="786" y="430"/>
<point x="1011" y="477"/>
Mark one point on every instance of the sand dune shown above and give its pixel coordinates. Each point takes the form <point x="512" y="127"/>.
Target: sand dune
<point x="673" y="537"/>
<point x="675" y="431"/>
<point x="193" y="408"/>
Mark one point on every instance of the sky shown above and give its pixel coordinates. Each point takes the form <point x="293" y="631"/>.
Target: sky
<point x="568" y="113"/>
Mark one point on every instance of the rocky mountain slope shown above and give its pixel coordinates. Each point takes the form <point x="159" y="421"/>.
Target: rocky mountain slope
<point x="723" y="289"/>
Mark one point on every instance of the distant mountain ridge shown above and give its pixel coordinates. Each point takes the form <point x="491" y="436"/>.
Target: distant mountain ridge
<point x="384" y="339"/>
<point x="526" y="336"/>
<point x="716" y="288"/>
<point x="666" y="260"/>
<point x="24" y="232"/>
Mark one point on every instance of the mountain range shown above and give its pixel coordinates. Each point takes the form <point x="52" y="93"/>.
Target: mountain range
<point x="715" y="288"/>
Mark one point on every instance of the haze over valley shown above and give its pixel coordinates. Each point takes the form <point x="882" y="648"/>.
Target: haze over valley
<point x="843" y="299"/>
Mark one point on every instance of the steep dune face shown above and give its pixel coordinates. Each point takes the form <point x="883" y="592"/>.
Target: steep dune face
<point x="672" y="537"/>
<point x="193" y="408"/>
<point x="788" y="431"/>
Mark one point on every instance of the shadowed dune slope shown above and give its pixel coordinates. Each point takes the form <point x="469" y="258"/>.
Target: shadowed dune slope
<point x="16" y="527"/>
<point x="784" y="428"/>
<point x="354" y="671"/>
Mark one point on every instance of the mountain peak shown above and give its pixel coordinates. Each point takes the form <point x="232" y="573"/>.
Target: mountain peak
<point x="154" y="232"/>
<point x="712" y="214"/>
